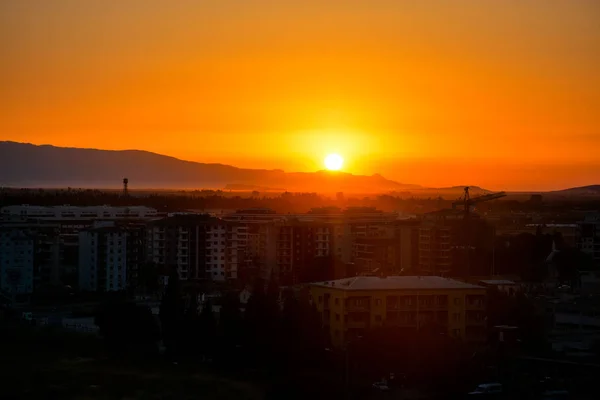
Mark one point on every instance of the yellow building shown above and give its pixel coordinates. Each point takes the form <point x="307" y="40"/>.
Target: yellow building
<point x="352" y="305"/>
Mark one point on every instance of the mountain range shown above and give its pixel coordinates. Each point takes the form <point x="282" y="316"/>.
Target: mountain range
<point x="45" y="166"/>
<point x="28" y="165"/>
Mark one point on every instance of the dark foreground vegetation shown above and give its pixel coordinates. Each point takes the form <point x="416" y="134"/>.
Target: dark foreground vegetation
<point x="274" y="349"/>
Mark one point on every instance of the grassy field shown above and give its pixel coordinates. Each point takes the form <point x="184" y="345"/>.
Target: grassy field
<point x="44" y="364"/>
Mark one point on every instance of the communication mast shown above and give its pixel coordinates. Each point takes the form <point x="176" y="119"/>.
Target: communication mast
<point x="125" y="187"/>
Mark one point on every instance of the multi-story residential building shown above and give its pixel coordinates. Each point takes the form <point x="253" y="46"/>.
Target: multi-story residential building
<point x="350" y="224"/>
<point x="17" y="265"/>
<point x="201" y="247"/>
<point x="451" y="245"/>
<point x="181" y="242"/>
<point x="298" y="245"/>
<point x="391" y="247"/>
<point x="588" y="236"/>
<point x="72" y="212"/>
<point x="102" y="259"/>
<point x="256" y="242"/>
<point x="283" y="246"/>
<point x="406" y="233"/>
<point x="29" y="257"/>
<point x="374" y="254"/>
<point x="110" y="256"/>
<point x="351" y="306"/>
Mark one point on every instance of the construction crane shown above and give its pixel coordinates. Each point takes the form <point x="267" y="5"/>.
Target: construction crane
<point x="467" y="202"/>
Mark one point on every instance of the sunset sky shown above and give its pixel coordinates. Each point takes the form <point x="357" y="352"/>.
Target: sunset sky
<point x="501" y="94"/>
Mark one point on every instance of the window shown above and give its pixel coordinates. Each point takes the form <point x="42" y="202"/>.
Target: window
<point x="337" y="301"/>
<point x="456" y="317"/>
<point x="337" y="317"/>
<point x="456" y="332"/>
<point x="378" y="318"/>
<point x="377" y="302"/>
<point x="320" y="299"/>
<point x="457" y="301"/>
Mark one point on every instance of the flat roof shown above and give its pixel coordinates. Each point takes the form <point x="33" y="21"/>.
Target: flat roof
<point x="396" y="283"/>
<point x="497" y="282"/>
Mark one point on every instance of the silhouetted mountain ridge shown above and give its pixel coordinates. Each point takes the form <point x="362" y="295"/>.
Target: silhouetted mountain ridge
<point x="579" y="191"/>
<point x="29" y="165"/>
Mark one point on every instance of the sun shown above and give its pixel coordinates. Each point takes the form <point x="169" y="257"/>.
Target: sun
<point x="334" y="162"/>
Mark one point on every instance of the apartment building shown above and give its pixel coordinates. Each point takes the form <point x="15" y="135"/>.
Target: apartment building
<point x="73" y="212"/>
<point x="298" y="245"/>
<point x="17" y="265"/>
<point x="350" y="224"/>
<point x="374" y="254"/>
<point x="29" y="258"/>
<point x="588" y="236"/>
<point x="201" y="247"/>
<point x="181" y="242"/>
<point x="351" y="306"/>
<point x="450" y="245"/>
<point x="111" y="256"/>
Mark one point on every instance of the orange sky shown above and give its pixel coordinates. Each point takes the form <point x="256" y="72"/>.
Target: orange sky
<point x="502" y="94"/>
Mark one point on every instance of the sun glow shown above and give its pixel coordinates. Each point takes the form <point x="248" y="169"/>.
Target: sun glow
<point x="334" y="162"/>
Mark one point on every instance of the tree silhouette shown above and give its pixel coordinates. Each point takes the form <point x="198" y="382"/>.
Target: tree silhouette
<point x="262" y="322"/>
<point x="128" y="328"/>
<point x="207" y="330"/>
<point x="171" y="314"/>
<point x="230" y="324"/>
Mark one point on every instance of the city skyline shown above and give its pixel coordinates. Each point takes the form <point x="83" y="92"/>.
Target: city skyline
<point x="501" y="96"/>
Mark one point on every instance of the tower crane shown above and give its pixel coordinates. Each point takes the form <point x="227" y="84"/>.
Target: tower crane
<point x="467" y="201"/>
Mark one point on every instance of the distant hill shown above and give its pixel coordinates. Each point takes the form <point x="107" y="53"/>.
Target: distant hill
<point x="591" y="190"/>
<point x="27" y="165"/>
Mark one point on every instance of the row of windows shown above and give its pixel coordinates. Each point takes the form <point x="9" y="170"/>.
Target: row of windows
<point x="393" y="301"/>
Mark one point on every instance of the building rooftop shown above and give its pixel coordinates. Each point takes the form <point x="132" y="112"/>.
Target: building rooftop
<point x="396" y="283"/>
<point x="497" y="282"/>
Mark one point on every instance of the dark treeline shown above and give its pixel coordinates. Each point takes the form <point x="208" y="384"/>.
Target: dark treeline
<point x="279" y="339"/>
<point x="282" y="203"/>
<point x="277" y="333"/>
<point x="208" y="199"/>
<point x="538" y="257"/>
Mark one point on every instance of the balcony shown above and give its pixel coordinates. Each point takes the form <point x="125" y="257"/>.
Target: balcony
<point x="356" y="324"/>
<point x="358" y="308"/>
<point x="402" y="306"/>
<point x="479" y="306"/>
<point x="431" y="306"/>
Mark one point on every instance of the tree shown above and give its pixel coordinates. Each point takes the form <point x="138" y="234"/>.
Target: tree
<point x="230" y="322"/>
<point x="207" y="329"/>
<point x="171" y="313"/>
<point x="128" y="327"/>
<point x="148" y="278"/>
<point x="261" y="321"/>
<point x="191" y="329"/>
